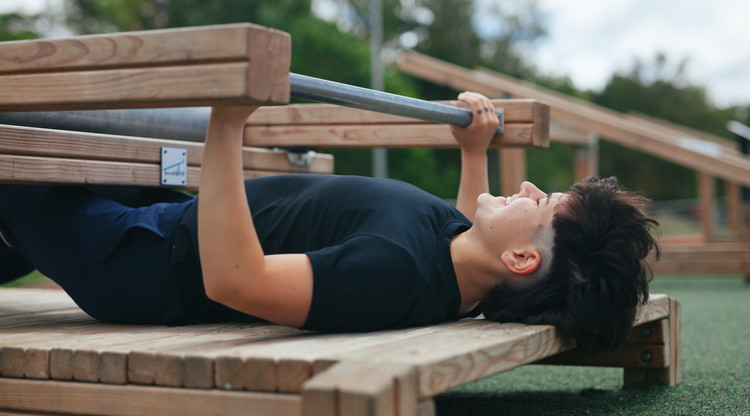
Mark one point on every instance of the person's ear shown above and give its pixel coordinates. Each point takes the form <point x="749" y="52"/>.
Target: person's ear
<point x="521" y="261"/>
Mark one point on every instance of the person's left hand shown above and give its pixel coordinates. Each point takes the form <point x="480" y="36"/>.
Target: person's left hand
<point x="477" y="136"/>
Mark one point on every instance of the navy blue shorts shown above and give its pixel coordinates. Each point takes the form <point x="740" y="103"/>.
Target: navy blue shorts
<point x="109" y="248"/>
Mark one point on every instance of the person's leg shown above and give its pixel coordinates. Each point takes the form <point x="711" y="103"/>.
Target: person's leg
<point x="113" y="260"/>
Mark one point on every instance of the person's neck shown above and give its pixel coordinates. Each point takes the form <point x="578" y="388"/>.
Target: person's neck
<point x="477" y="272"/>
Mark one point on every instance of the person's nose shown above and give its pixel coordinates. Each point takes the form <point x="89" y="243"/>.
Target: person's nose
<point x="529" y="190"/>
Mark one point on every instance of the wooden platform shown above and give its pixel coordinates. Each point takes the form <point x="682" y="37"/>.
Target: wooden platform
<point x="55" y="359"/>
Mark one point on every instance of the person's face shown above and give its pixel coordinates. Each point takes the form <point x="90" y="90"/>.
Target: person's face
<point x="514" y="219"/>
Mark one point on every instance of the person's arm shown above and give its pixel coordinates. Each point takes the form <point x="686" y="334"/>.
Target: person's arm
<point x="236" y="272"/>
<point x="474" y="140"/>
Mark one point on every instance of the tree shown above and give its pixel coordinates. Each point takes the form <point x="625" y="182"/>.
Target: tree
<point x="16" y="26"/>
<point x="654" y="89"/>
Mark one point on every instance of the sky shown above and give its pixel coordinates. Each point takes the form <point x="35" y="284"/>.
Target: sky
<point x="589" y="40"/>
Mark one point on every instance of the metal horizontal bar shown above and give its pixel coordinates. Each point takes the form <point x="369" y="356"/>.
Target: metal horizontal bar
<point x="190" y="124"/>
<point x="187" y="124"/>
<point x="316" y="89"/>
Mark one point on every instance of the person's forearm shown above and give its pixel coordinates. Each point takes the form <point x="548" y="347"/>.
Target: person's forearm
<point x="473" y="182"/>
<point x="226" y="233"/>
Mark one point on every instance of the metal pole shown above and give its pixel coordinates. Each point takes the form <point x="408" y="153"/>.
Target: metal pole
<point x="191" y="123"/>
<point x="315" y="89"/>
<point x="187" y="124"/>
<point x="379" y="155"/>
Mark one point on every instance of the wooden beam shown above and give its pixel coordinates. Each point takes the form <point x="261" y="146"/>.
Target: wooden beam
<point x="325" y="125"/>
<point x="516" y="111"/>
<point x="387" y="389"/>
<point x="703" y="258"/>
<point x="111" y="400"/>
<point x="34" y="155"/>
<point x="187" y="67"/>
<point x="706" y="202"/>
<point x="609" y="124"/>
<point x="381" y="135"/>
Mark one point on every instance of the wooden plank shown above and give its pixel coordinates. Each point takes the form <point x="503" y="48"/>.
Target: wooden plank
<point x="516" y="111"/>
<point x="704" y="258"/>
<point x="172" y="67"/>
<point x="99" y="399"/>
<point x="285" y="366"/>
<point x="31" y="141"/>
<point x="607" y="123"/>
<point x="194" y="45"/>
<point x="649" y="351"/>
<point x="387" y="389"/>
<point x="382" y="135"/>
<point x="671" y="375"/>
<point x="190" y="361"/>
<point x="47" y="170"/>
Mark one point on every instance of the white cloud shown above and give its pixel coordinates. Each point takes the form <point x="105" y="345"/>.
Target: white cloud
<point x="591" y="41"/>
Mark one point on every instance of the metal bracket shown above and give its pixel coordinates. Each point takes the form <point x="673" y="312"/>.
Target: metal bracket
<point x="301" y="160"/>
<point x="501" y="116"/>
<point x="173" y="166"/>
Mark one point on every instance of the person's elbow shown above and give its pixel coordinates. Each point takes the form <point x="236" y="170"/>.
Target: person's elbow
<point x="217" y="289"/>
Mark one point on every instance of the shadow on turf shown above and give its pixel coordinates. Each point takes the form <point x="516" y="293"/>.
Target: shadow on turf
<point x="585" y="402"/>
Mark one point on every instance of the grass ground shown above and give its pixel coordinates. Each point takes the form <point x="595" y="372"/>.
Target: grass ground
<point x="715" y="368"/>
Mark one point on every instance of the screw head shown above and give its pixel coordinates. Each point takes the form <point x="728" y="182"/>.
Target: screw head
<point x="646" y="357"/>
<point x="645" y="332"/>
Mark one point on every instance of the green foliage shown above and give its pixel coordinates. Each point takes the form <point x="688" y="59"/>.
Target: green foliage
<point x="15" y="26"/>
<point x="655" y="90"/>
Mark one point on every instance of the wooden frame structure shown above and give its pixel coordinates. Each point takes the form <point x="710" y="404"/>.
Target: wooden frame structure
<point x="709" y="156"/>
<point x="55" y="359"/>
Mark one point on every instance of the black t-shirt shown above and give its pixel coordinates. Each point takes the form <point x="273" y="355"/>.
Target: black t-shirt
<point x="379" y="248"/>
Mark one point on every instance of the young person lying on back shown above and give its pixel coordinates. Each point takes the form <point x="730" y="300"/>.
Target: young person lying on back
<point x="339" y="253"/>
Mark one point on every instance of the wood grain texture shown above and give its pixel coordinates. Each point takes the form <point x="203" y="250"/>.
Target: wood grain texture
<point x="239" y="63"/>
<point x="516" y="111"/>
<point x="32" y="141"/>
<point x="60" y="342"/>
<point x="380" y="135"/>
<point x="99" y="399"/>
<point x="45" y="170"/>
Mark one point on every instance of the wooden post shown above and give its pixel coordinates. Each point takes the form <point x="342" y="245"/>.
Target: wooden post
<point x="671" y="372"/>
<point x="386" y="390"/>
<point x="706" y="192"/>
<point x="735" y="216"/>
<point x="512" y="170"/>
<point x="587" y="158"/>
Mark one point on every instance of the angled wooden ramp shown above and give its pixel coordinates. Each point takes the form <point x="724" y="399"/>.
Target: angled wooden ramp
<point x="55" y="359"/>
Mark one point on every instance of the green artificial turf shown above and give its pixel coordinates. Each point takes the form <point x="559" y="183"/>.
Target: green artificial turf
<point x="715" y="367"/>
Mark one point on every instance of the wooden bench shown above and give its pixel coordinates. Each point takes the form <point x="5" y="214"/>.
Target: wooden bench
<point x="55" y="359"/>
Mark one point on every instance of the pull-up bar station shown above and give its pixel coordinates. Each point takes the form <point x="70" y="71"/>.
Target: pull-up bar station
<point x="191" y="123"/>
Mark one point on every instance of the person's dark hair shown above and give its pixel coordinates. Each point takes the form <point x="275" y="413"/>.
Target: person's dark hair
<point x="599" y="273"/>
